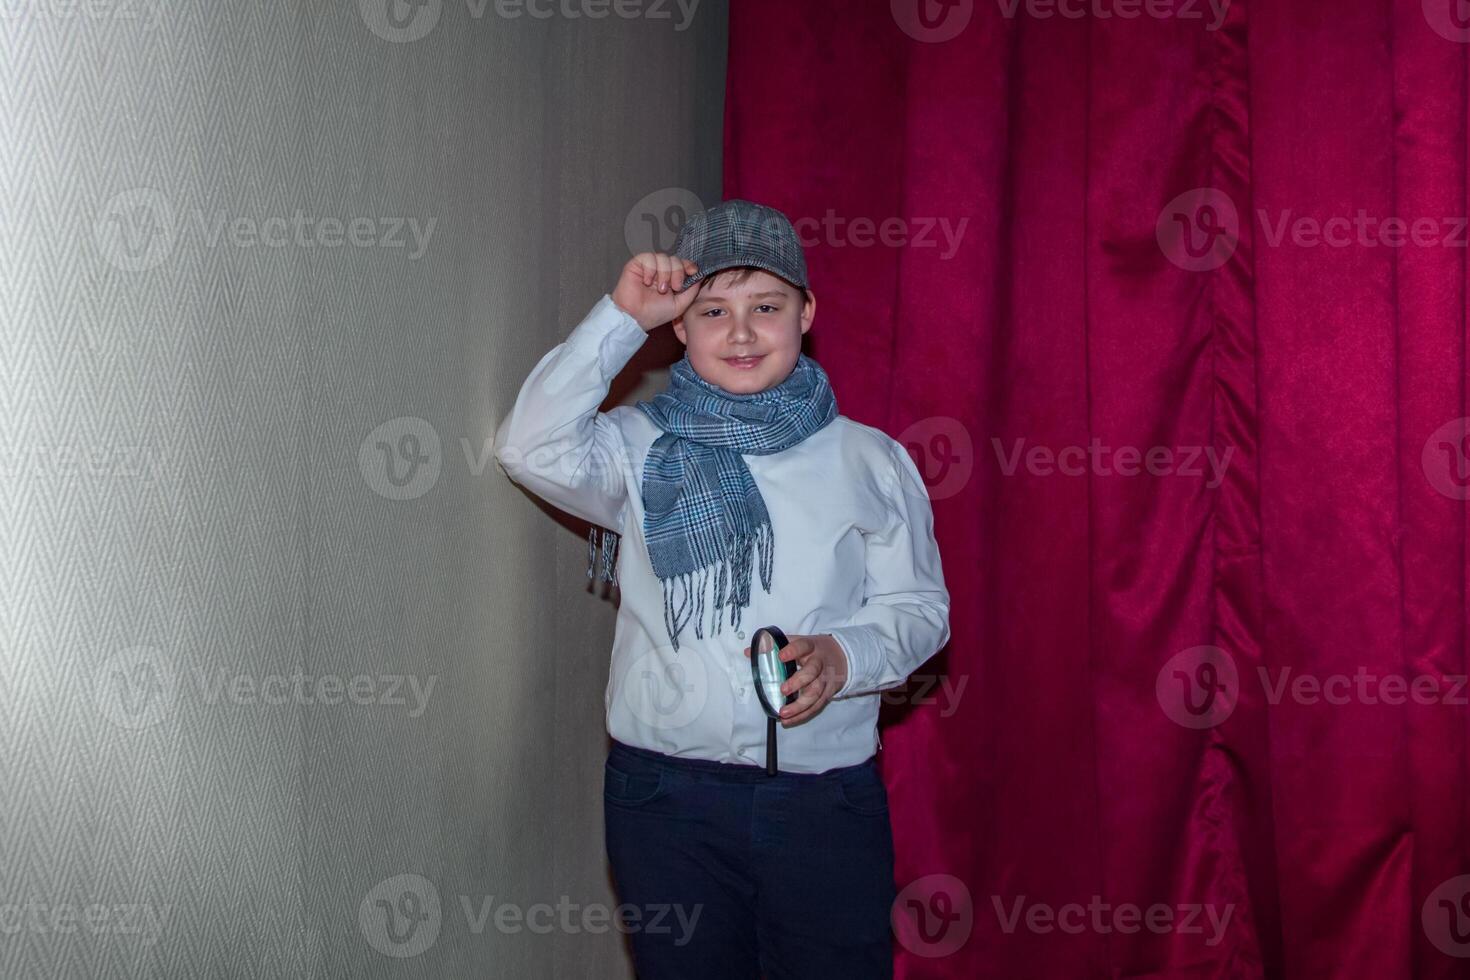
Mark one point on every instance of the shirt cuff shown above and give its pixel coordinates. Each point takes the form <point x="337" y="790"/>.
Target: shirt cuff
<point x="864" y="653"/>
<point x="609" y="332"/>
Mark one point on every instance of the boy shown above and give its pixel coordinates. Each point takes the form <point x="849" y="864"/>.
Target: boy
<point x="743" y="468"/>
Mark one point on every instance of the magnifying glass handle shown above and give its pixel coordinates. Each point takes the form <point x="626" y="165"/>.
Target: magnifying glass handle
<point x="770" y="746"/>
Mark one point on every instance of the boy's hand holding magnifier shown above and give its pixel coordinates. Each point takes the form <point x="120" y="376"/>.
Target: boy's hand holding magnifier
<point x="821" y="674"/>
<point x="794" y="679"/>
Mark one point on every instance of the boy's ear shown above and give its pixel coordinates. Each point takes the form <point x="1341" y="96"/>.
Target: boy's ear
<point x="808" y="311"/>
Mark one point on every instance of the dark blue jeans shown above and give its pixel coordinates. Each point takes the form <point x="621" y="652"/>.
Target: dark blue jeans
<point x="725" y="872"/>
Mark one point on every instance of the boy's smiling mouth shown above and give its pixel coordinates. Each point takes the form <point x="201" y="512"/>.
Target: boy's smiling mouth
<point x="744" y="363"/>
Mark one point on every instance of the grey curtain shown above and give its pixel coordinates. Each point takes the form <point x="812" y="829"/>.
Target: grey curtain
<point x="293" y="681"/>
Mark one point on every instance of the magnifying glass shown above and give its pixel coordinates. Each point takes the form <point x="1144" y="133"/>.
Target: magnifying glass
<point x="769" y="672"/>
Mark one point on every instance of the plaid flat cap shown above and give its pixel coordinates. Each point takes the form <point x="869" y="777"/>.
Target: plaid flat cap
<point x="738" y="233"/>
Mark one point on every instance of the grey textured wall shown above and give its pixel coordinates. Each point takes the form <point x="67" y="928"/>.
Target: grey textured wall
<point x="275" y="631"/>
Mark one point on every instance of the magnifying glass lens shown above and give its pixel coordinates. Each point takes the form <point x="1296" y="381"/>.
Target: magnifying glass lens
<point x="769" y="672"/>
<point x="769" y="668"/>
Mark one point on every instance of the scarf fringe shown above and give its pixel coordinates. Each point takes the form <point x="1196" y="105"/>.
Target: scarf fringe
<point x="610" y="540"/>
<point x="732" y="580"/>
<point x="731" y="586"/>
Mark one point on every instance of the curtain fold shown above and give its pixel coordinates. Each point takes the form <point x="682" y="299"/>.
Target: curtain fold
<point x="1144" y="297"/>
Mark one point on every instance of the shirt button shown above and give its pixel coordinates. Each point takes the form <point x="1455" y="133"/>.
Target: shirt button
<point x="740" y="635"/>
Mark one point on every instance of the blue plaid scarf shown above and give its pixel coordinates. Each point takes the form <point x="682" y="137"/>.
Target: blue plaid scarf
<point x="702" y="512"/>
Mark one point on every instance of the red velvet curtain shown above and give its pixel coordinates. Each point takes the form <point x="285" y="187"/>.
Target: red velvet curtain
<point x="1170" y="308"/>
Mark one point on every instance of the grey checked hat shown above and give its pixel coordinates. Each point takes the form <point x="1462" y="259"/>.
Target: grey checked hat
<point x="739" y="233"/>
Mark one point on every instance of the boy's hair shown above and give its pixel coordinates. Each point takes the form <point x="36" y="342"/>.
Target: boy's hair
<point x="740" y="273"/>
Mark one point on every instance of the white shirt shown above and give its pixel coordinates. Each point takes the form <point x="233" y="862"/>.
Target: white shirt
<point x="854" y="556"/>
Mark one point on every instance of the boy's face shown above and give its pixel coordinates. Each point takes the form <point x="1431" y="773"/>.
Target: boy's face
<point x="745" y="338"/>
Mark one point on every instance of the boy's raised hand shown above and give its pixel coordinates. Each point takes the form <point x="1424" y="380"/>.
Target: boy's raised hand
<point x="823" y="671"/>
<point x="648" y="289"/>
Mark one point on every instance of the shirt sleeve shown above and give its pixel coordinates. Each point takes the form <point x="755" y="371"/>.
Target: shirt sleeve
<point x="555" y="442"/>
<point x="904" y="619"/>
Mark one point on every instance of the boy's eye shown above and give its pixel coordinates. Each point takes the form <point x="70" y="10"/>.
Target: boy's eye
<point x="715" y="309"/>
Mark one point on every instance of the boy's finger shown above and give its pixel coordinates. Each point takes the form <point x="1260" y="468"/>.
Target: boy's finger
<point x="802" y="715"/>
<point x="801" y="680"/>
<point x="809" y="696"/>
<point x="804" y="705"/>
<point x="647" y="266"/>
<point x="799" y="646"/>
